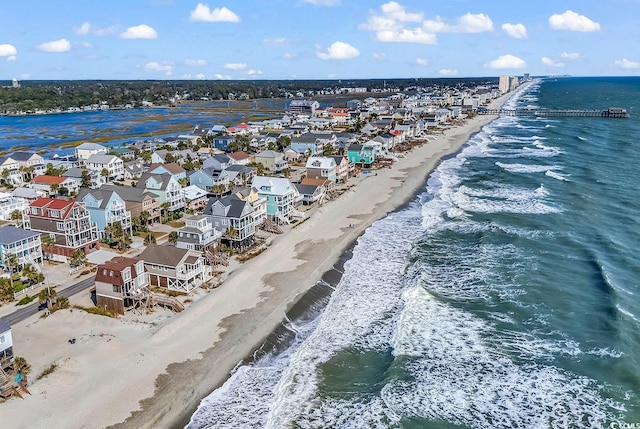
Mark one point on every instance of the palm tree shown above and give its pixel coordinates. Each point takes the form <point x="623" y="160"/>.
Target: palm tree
<point x="165" y="210"/>
<point x="173" y="237"/>
<point x="5" y="176"/>
<point x="47" y="296"/>
<point x="105" y="173"/>
<point x="11" y="263"/>
<point x="149" y="239"/>
<point x="17" y="216"/>
<point x="54" y="188"/>
<point x="78" y="258"/>
<point x="86" y="179"/>
<point x="48" y="242"/>
<point x="144" y="217"/>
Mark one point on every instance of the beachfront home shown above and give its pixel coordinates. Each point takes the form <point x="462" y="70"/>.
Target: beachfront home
<point x="85" y="150"/>
<point x="259" y="204"/>
<point x="282" y="197"/>
<point x="360" y="154"/>
<point x="194" y="198"/>
<point x="342" y="168"/>
<point x="166" y="187"/>
<point x="174" y="268"/>
<point x="321" y="167"/>
<point x="138" y="201"/>
<point x="307" y="145"/>
<point x="234" y="218"/>
<point x="67" y="222"/>
<point x="198" y="234"/>
<point x="119" y="281"/>
<point x="134" y="169"/>
<point x="311" y="194"/>
<point x="82" y="175"/>
<point x="109" y="164"/>
<point x="124" y="153"/>
<point x="26" y="245"/>
<point x="105" y="208"/>
<point x="6" y="346"/>
<point x="271" y="160"/>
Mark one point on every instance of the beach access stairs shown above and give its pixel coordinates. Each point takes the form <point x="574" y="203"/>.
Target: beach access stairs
<point x="167" y="302"/>
<point x="9" y="388"/>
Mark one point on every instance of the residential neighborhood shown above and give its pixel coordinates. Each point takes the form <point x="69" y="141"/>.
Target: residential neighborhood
<point x="151" y="224"/>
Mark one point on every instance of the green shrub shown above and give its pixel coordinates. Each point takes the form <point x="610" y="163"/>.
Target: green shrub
<point x="26" y="300"/>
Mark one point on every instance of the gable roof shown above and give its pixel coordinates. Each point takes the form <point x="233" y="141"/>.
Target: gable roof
<point x="130" y="194"/>
<point x="23" y="155"/>
<point x="239" y="156"/>
<point x="163" y="255"/>
<point x="234" y="206"/>
<point x="103" y="195"/>
<point x="90" y="146"/>
<point x="171" y="167"/>
<point x="43" y="179"/>
<point x="99" y="158"/>
<point x="11" y="234"/>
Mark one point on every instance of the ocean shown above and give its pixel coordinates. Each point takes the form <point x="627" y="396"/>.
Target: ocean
<point x="504" y="295"/>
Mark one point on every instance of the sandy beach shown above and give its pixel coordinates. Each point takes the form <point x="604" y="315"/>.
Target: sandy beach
<point x="153" y="372"/>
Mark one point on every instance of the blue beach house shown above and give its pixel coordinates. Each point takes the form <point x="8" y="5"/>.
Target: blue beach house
<point x="105" y="207"/>
<point x="360" y="154"/>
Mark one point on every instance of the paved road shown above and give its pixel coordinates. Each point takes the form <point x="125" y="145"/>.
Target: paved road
<point x="31" y="309"/>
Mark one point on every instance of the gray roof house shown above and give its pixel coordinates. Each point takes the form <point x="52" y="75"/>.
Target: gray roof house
<point x="174" y="268"/>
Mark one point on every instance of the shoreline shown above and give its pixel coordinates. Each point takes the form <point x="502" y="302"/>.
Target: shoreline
<point x="163" y="370"/>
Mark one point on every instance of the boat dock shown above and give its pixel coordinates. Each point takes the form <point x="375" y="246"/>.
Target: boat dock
<point x="611" y="112"/>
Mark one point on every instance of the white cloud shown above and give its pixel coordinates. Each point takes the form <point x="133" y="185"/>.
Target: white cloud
<point x="551" y="63"/>
<point x="7" y="50"/>
<point x="11" y="58"/>
<point x="254" y="72"/>
<point x="275" y="42"/>
<point x="61" y="45"/>
<point x="141" y="31"/>
<point x="235" y="66"/>
<point x="378" y="56"/>
<point x="166" y="68"/>
<point x="570" y="56"/>
<point x="397" y="12"/>
<point x="415" y="35"/>
<point x="323" y="2"/>
<point x="195" y="63"/>
<point x="469" y="23"/>
<point x="339" y="51"/>
<point x="422" y="61"/>
<point x="199" y="76"/>
<point x="572" y="21"/>
<point x="448" y="72"/>
<point x="219" y="76"/>
<point x="219" y="14"/>
<point x="506" y="62"/>
<point x="288" y="56"/>
<point x="627" y="64"/>
<point x="517" y="31"/>
<point x="83" y="29"/>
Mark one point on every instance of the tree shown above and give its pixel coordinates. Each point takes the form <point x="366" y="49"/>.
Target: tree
<point x="149" y="239"/>
<point x="78" y="258"/>
<point x="173" y="237"/>
<point x="231" y="232"/>
<point x="5" y="176"/>
<point x="17" y="216"/>
<point x="64" y="190"/>
<point x="282" y="143"/>
<point x="47" y="296"/>
<point x="169" y="158"/>
<point x="61" y="303"/>
<point x="11" y="263"/>
<point x="184" y="182"/>
<point x="144" y="218"/>
<point x="86" y="179"/>
<point x="105" y="173"/>
<point x="48" y="242"/>
<point x="54" y="188"/>
<point x="6" y="289"/>
<point x="165" y="211"/>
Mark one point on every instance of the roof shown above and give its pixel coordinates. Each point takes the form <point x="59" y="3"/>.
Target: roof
<point x="28" y="193"/>
<point x="163" y="180"/>
<point x="128" y="193"/>
<point x="22" y="155"/>
<point x="103" y="195"/>
<point x="43" y="179"/>
<point x="306" y="189"/>
<point x="163" y="255"/>
<point x="98" y="158"/>
<point x="314" y="182"/>
<point x="11" y="234"/>
<point x="91" y="146"/>
<point x="239" y="156"/>
<point x="114" y="268"/>
<point x="171" y="167"/>
<point x="192" y="192"/>
<point x="321" y="162"/>
<point x="268" y="154"/>
<point x="279" y="185"/>
<point x="234" y="206"/>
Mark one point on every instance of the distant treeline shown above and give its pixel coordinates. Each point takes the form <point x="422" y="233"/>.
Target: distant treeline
<point x="48" y="95"/>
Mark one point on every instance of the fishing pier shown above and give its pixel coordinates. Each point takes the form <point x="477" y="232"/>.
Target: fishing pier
<point x="611" y="112"/>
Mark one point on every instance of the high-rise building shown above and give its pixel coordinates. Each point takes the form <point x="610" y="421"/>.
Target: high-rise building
<point x="504" y="83"/>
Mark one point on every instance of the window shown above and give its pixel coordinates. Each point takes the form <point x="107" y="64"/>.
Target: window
<point x="2" y="339"/>
<point x="117" y="288"/>
<point x="60" y="226"/>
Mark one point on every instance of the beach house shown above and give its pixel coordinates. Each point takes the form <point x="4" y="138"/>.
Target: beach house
<point x="85" y="150"/>
<point x="10" y="170"/>
<point x="234" y="218"/>
<point x="55" y="185"/>
<point x="361" y="154"/>
<point x="67" y="222"/>
<point x="119" y="281"/>
<point x="6" y="346"/>
<point x="166" y="187"/>
<point x="25" y="244"/>
<point x="198" y="234"/>
<point x="282" y="197"/>
<point x="174" y="268"/>
<point x="109" y="164"/>
<point x="105" y="207"/>
<point x="171" y="168"/>
<point x="30" y="164"/>
<point x="140" y="202"/>
<point x="271" y="160"/>
<point x="321" y="167"/>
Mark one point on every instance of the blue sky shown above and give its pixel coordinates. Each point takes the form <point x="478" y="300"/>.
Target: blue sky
<point x="316" y="39"/>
